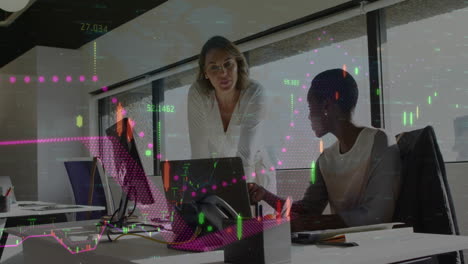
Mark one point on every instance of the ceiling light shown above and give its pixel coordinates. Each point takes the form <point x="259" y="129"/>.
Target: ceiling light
<point x="13" y="5"/>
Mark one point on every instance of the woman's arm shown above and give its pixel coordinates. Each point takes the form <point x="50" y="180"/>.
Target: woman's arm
<point x="316" y="196"/>
<point x="306" y="214"/>
<point x="313" y="203"/>
<point x="196" y="114"/>
<point x="253" y="109"/>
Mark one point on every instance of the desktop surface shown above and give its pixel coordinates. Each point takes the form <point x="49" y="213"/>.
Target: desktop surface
<point x="385" y="246"/>
<point x="128" y="249"/>
<point x="26" y="208"/>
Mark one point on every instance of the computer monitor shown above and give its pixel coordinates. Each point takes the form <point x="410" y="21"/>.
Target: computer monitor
<point x="187" y="182"/>
<point x="127" y="164"/>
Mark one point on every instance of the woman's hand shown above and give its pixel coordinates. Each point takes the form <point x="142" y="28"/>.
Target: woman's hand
<point x="256" y="192"/>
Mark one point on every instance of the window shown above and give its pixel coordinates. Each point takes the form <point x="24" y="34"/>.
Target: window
<point x="286" y="69"/>
<point x="425" y="73"/>
<point x="425" y="81"/>
<point x="177" y="141"/>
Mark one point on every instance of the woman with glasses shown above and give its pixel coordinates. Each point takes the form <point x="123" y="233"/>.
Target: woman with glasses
<point x="226" y="110"/>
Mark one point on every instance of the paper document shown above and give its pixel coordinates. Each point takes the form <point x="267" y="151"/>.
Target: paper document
<point x="55" y="207"/>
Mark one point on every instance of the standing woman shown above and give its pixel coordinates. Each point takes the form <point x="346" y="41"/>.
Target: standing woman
<point x="226" y="110"/>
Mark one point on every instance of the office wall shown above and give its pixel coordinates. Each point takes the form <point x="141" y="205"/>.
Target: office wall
<point x="47" y="109"/>
<point x="18" y="121"/>
<point x="58" y="105"/>
<point x="177" y="29"/>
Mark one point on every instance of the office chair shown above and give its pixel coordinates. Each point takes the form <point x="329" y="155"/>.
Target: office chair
<point x="425" y="201"/>
<point x="80" y="173"/>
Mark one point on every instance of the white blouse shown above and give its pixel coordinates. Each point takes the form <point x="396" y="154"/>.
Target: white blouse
<point x="361" y="185"/>
<point x="243" y="137"/>
<point x="346" y="175"/>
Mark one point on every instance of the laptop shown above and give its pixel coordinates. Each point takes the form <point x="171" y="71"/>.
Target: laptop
<point x="189" y="181"/>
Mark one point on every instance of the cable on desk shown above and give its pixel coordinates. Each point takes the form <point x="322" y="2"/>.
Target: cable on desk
<point x="161" y="227"/>
<point x="112" y="217"/>
<point x="134" y="207"/>
<point x="158" y="227"/>
<point x="197" y="232"/>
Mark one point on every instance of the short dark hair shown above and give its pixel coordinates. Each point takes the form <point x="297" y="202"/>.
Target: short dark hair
<point x="337" y="85"/>
<point x="222" y="43"/>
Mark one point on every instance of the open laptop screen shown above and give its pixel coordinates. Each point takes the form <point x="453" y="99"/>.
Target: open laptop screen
<point x="192" y="180"/>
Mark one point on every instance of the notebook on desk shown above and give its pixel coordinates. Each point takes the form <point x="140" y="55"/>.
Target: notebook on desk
<point x="55" y="207"/>
<point x="29" y="205"/>
<point x="319" y="235"/>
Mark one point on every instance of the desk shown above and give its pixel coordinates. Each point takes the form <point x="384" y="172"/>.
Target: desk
<point x="17" y="210"/>
<point x="385" y="246"/>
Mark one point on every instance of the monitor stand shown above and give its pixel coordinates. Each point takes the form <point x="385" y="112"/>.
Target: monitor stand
<point x="184" y="233"/>
<point x="123" y="226"/>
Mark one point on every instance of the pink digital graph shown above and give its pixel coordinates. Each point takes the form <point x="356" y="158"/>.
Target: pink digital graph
<point x="52" y="79"/>
<point x="104" y="148"/>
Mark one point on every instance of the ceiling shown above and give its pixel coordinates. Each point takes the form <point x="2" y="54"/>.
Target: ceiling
<point x="66" y="23"/>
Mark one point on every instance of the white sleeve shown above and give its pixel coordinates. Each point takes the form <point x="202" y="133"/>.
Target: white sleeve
<point x="250" y="141"/>
<point x="316" y="196"/>
<point x="249" y="127"/>
<point x="196" y="114"/>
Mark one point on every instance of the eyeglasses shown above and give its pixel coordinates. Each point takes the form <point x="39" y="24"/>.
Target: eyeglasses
<point x="214" y="69"/>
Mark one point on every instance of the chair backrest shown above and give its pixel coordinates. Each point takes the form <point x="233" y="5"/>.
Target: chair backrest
<point x="79" y="172"/>
<point x="425" y="200"/>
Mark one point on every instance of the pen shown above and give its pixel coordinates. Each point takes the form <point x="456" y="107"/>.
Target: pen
<point x="337" y="244"/>
<point x="8" y="192"/>
<point x="339" y="238"/>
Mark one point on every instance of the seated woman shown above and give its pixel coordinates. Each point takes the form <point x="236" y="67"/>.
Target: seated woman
<point x="226" y="110"/>
<point x="359" y="175"/>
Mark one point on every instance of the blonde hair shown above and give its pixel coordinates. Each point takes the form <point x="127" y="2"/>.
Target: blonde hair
<point x="221" y="43"/>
